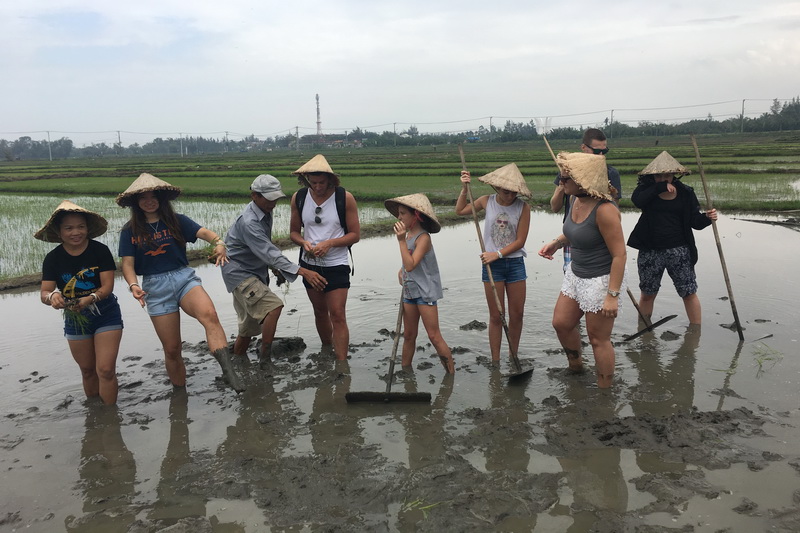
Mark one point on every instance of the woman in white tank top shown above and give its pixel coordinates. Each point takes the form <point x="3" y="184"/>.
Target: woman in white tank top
<point x="324" y="244"/>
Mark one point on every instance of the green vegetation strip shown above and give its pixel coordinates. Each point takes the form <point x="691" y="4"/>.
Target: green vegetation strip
<point x="755" y="172"/>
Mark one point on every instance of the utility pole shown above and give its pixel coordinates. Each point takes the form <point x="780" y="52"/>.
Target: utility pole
<point x="491" y="130"/>
<point x="611" y="126"/>
<point x="50" y="150"/>
<point x="181" y="135"/>
<point x="395" y="133"/>
<point x="741" y="127"/>
<point x="297" y="138"/>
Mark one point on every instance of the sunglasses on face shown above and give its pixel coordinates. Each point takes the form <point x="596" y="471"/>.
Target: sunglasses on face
<point x="563" y="179"/>
<point x="599" y="151"/>
<point x="317" y="211"/>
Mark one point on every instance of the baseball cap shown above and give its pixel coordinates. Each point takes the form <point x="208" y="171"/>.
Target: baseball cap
<point x="268" y="186"/>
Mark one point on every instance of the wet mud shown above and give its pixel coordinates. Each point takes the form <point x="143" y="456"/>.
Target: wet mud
<point x="695" y="435"/>
<point x="344" y="483"/>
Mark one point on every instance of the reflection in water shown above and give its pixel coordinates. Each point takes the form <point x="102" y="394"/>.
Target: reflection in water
<point x="593" y="475"/>
<point x="107" y="474"/>
<point x="174" y="503"/>
<point x="509" y="449"/>
<point x="664" y="391"/>
<point x="425" y="434"/>
<point x="331" y="425"/>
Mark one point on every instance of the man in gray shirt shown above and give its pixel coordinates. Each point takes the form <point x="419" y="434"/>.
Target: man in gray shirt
<point x="251" y="253"/>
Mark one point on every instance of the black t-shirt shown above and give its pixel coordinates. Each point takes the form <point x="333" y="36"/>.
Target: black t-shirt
<point x="77" y="276"/>
<point x="666" y="222"/>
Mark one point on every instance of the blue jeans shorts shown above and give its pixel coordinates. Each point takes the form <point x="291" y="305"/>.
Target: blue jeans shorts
<point x="103" y="316"/>
<point x="507" y="269"/>
<point x="166" y="290"/>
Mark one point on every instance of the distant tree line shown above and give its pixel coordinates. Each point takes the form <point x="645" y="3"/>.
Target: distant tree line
<point x="780" y="117"/>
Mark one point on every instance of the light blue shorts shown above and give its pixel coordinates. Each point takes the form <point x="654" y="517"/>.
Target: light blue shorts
<point x="165" y="291"/>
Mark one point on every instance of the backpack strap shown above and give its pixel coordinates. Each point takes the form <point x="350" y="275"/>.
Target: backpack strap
<point x="299" y="201"/>
<point x="341" y="209"/>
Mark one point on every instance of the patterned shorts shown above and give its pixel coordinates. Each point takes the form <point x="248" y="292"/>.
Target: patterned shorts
<point x="678" y="264"/>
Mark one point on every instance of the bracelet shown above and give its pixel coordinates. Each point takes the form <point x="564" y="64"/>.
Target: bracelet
<point x="220" y="242"/>
<point x="95" y="297"/>
<point x="47" y="298"/>
<point x="499" y="254"/>
<point x="130" y="287"/>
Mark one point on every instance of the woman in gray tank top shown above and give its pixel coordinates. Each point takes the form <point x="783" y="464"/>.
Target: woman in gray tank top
<point x="596" y="275"/>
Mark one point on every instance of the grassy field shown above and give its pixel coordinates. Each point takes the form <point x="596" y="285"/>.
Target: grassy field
<point x="750" y="172"/>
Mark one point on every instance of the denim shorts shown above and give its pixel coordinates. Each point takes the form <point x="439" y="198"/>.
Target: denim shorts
<point x="166" y="290"/>
<point x="103" y="316"/>
<point x="507" y="269"/>
<point x="417" y="301"/>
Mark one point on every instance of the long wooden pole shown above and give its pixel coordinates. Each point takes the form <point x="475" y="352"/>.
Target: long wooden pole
<point x="719" y="244"/>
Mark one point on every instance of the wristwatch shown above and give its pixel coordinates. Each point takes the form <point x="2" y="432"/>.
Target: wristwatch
<point x="614" y="294"/>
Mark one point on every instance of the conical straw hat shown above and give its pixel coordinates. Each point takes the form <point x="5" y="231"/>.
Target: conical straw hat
<point x="146" y="183"/>
<point x="417" y="201"/>
<point x="665" y="164"/>
<point x="509" y="178"/>
<point x="96" y="224"/>
<point x="589" y="171"/>
<point x="318" y="163"/>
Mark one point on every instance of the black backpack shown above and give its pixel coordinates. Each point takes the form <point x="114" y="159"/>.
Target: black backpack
<point x="341" y="210"/>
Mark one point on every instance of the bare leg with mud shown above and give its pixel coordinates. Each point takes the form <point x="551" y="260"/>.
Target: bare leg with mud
<point x="566" y="317"/>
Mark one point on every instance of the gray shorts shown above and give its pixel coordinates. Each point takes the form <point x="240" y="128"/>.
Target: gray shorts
<point x="253" y="300"/>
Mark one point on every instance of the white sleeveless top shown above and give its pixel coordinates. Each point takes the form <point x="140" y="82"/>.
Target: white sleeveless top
<point x="500" y="225"/>
<point x="328" y="228"/>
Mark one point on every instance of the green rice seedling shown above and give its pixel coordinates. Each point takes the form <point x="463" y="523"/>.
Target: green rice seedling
<point x="419" y="505"/>
<point x="78" y="320"/>
<point x="763" y="355"/>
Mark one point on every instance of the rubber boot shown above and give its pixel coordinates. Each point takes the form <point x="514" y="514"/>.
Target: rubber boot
<point x="223" y="357"/>
<point x="265" y="360"/>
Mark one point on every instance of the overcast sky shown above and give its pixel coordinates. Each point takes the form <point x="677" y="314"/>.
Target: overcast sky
<point x="162" y="67"/>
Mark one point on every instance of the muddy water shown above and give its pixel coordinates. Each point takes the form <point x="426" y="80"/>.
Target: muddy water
<point x="699" y="430"/>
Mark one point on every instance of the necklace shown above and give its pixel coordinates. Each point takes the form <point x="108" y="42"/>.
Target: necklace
<point x="154" y="227"/>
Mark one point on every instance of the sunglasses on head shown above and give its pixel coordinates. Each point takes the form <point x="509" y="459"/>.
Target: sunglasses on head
<point x="598" y="151"/>
<point x="317" y="211"/>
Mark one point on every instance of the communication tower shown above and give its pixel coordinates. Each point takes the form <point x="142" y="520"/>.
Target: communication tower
<point x="319" y="122"/>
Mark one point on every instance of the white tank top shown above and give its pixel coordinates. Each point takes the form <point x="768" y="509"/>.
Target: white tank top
<point x="500" y="225"/>
<point x="327" y="228"/>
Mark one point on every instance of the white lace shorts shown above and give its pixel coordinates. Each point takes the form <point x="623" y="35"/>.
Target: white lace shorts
<point x="590" y="293"/>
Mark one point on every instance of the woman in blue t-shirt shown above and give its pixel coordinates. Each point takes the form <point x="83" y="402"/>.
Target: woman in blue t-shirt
<point x="78" y="278"/>
<point x="153" y="244"/>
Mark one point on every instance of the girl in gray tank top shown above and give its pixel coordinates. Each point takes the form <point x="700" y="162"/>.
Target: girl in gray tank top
<point x="419" y="275"/>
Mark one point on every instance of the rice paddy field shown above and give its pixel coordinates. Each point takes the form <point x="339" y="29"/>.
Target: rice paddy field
<point x="747" y="172"/>
<point x="743" y="174"/>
